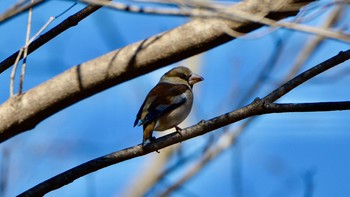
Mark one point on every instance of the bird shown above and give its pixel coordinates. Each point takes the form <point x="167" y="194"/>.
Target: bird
<point x="168" y="103"/>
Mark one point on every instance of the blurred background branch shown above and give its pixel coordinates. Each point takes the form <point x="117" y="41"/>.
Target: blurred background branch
<point x="19" y="7"/>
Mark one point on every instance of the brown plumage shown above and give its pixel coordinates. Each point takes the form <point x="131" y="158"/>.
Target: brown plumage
<point x="168" y="103"/>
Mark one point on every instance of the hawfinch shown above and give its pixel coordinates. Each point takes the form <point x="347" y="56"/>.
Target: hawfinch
<point x="168" y="103"/>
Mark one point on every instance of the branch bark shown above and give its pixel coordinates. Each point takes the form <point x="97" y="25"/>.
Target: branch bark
<point x="23" y="112"/>
<point x="257" y="107"/>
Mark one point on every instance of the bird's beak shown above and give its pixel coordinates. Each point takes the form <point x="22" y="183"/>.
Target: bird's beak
<point x="195" y="79"/>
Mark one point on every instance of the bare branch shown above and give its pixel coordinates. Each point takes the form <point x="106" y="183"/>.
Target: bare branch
<point x="306" y="107"/>
<point x="25" y="49"/>
<point x="25" y="52"/>
<point x="13" y="73"/>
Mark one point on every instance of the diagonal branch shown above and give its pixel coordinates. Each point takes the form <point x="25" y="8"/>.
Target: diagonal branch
<point x="257" y="107"/>
<point x="25" y="111"/>
<point x="306" y="107"/>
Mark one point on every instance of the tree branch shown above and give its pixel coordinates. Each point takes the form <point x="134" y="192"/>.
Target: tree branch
<point x="306" y="107"/>
<point x="23" y="112"/>
<point x="257" y="107"/>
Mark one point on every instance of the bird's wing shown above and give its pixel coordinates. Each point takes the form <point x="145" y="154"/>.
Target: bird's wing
<point x="161" y="99"/>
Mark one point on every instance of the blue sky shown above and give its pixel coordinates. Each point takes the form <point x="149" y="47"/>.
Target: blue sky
<point x="276" y="151"/>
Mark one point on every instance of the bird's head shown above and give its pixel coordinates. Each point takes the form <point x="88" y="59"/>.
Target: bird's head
<point x="181" y="75"/>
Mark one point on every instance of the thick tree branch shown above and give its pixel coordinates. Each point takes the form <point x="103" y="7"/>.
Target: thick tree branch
<point x="25" y="111"/>
<point x="258" y="107"/>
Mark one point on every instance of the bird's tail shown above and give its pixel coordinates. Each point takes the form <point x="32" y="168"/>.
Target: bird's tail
<point x="147" y="133"/>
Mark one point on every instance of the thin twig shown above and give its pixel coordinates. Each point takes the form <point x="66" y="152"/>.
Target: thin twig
<point x="25" y="48"/>
<point x="13" y="73"/>
<point x="306" y="107"/>
<point x="51" y="19"/>
<point x="25" y="52"/>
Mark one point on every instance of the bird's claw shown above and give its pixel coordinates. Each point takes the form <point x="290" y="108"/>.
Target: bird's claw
<point x="178" y="129"/>
<point x="148" y="142"/>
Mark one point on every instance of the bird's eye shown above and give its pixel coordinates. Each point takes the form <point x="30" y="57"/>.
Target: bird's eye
<point x="183" y="76"/>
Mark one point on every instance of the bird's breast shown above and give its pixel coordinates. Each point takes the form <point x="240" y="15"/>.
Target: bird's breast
<point x="175" y="116"/>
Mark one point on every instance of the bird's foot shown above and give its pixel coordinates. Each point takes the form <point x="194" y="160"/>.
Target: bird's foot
<point x="148" y="141"/>
<point x="178" y="129"/>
